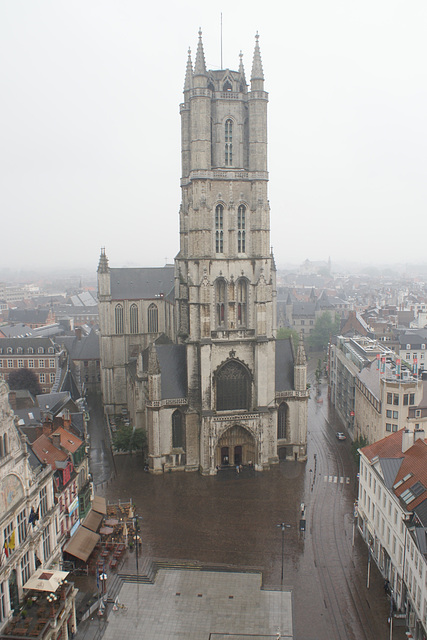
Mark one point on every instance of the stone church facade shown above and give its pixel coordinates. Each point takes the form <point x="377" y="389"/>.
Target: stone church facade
<point x="208" y="381"/>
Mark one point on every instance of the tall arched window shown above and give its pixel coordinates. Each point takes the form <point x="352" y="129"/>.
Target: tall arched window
<point x="242" y="302"/>
<point x="220" y="302"/>
<point x="153" y="319"/>
<point x="133" y="317"/>
<point x="229" y="143"/>
<point x="219" y="228"/>
<point x="118" y="316"/>
<point x="282" y="416"/>
<point x="241" y="229"/>
<point x="178" y="440"/>
<point x="233" y="387"/>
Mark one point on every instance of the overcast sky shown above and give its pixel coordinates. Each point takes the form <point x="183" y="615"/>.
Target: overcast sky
<point x="90" y="126"/>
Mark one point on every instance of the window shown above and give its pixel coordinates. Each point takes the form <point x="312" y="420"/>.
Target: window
<point x="220" y="302"/>
<point x="282" y="421"/>
<point x="41" y="364"/>
<point x="405" y="399"/>
<point x="2" y="602"/>
<point x="46" y="543"/>
<point x="134" y="318"/>
<point x="30" y="349"/>
<point x="389" y="413"/>
<point x="228" y="143"/>
<point x="394" y="427"/>
<point x="118" y="317"/>
<point x="51" y="378"/>
<point x="389" y="398"/>
<point x="153" y="319"/>
<point x="395" y="398"/>
<point x="22" y="526"/>
<point x="219" y="228"/>
<point x="233" y="387"/>
<point x="241" y="302"/>
<point x="9" y="537"/>
<point x="395" y="415"/>
<point x="43" y="502"/>
<point x="25" y="568"/>
<point x="177" y="430"/>
<point x="241" y="229"/>
<point x="412" y="398"/>
<point x="20" y="364"/>
<point x="10" y="364"/>
<point x="40" y="350"/>
<point x="52" y="363"/>
<point x="42" y="377"/>
<point x="388" y="427"/>
<point x="31" y="364"/>
<point x="408" y="356"/>
<point x="51" y="350"/>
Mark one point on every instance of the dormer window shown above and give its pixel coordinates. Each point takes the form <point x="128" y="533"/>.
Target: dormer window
<point x="20" y="350"/>
<point x="40" y="350"/>
<point x="227" y="86"/>
<point x="9" y="350"/>
<point x="51" y="350"/>
<point x="30" y="350"/>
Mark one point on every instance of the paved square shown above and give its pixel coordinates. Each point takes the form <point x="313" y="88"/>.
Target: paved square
<point x="201" y="605"/>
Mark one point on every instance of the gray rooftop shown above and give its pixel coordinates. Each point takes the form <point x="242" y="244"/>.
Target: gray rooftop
<point x="284" y="365"/>
<point x="142" y="283"/>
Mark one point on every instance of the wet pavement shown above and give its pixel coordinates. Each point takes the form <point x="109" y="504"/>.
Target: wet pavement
<point x="231" y="520"/>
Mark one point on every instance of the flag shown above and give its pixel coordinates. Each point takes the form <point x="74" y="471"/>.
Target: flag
<point x="6" y="549"/>
<point x="11" y="544"/>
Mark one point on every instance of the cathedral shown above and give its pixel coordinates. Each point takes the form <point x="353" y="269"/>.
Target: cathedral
<point x="190" y="349"/>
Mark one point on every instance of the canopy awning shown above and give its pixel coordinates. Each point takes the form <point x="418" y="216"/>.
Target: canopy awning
<point x="82" y="543"/>
<point x="44" y="580"/>
<point x="92" y="520"/>
<point x="99" y="504"/>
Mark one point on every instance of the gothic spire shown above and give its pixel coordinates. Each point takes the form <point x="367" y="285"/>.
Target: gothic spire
<point x="103" y="262"/>
<point x="301" y="359"/>
<point x="257" y="72"/>
<point x="188" y="73"/>
<point x="199" y="65"/>
<point x="241" y="67"/>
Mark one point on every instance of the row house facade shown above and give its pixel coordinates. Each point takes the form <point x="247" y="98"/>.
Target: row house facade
<point x="28" y="513"/>
<point x="392" y="518"/>
<point x="385" y="392"/>
<point x="40" y="355"/>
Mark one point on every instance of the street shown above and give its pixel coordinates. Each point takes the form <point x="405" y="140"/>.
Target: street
<point x="232" y="519"/>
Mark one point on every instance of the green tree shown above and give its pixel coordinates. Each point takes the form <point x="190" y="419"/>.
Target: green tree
<point x="24" y="379"/>
<point x="356" y="445"/>
<point x="325" y="326"/>
<point x="284" y="333"/>
<point x="129" y="439"/>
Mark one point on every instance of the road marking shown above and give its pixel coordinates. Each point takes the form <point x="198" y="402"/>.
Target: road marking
<point x="337" y="479"/>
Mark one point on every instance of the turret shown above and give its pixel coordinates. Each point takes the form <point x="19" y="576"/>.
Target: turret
<point x="300" y="368"/>
<point x="154" y="375"/>
<point x="258" y="99"/>
<point x="104" y="283"/>
<point x="200" y="113"/>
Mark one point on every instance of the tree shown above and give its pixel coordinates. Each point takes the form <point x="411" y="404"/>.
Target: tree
<point x="356" y="445"/>
<point x="24" y="379"/>
<point x="285" y="332"/>
<point x="129" y="439"/>
<point x="325" y="326"/>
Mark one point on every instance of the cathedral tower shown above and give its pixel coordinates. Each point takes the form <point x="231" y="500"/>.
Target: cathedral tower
<point x="225" y="274"/>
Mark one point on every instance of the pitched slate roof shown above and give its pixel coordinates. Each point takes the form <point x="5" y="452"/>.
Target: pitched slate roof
<point x="284" y="365"/>
<point x="142" y="283"/>
<point x="173" y="368"/>
<point x="29" y="316"/>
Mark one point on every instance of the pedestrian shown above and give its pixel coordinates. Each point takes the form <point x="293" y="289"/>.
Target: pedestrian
<point x="237" y="469"/>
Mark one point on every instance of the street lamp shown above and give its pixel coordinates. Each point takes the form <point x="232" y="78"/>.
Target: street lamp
<point x="137" y="540"/>
<point x="283" y="526"/>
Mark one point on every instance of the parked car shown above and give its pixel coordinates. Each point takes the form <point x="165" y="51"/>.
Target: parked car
<point x="340" y="435"/>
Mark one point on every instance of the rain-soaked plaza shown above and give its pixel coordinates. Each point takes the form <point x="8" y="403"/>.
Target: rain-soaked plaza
<point x="230" y="521"/>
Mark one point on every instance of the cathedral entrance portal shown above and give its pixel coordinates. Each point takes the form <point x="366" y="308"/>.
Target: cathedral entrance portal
<point x="236" y="446"/>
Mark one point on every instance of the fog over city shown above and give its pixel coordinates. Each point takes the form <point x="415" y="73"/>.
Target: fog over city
<point x="90" y="126"/>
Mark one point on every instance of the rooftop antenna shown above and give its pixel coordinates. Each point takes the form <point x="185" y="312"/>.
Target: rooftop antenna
<point x="221" y="41"/>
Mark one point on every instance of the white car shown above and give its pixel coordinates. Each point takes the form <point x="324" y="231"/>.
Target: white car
<point x="340" y="435"/>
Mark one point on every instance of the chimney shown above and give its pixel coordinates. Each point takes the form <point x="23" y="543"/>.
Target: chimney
<point x="47" y="427"/>
<point x="419" y="434"/>
<point x="12" y="399"/>
<point x="56" y="439"/>
<point x="78" y="331"/>
<point x="407" y="440"/>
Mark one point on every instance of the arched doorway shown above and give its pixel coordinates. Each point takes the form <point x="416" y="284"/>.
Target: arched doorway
<point x="236" y="446"/>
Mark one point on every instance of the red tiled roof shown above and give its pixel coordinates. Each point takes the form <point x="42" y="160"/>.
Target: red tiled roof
<point x="414" y="462"/>
<point x="69" y="441"/>
<point x="47" y="452"/>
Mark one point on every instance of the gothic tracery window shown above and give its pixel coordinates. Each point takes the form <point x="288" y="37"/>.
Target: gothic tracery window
<point x="281" y="422"/>
<point x="220" y="302"/>
<point x="177" y="430"/>
<point x="233" y="387"/>
<point x="228" y="142"/>
<point x="133" y="319"/>
<point x="118" y="316"/>
<point x="219" y="228"/>
<point x="241" y="229"/>
<point x="153" y="319"/>
<point x="242" y="300"/>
